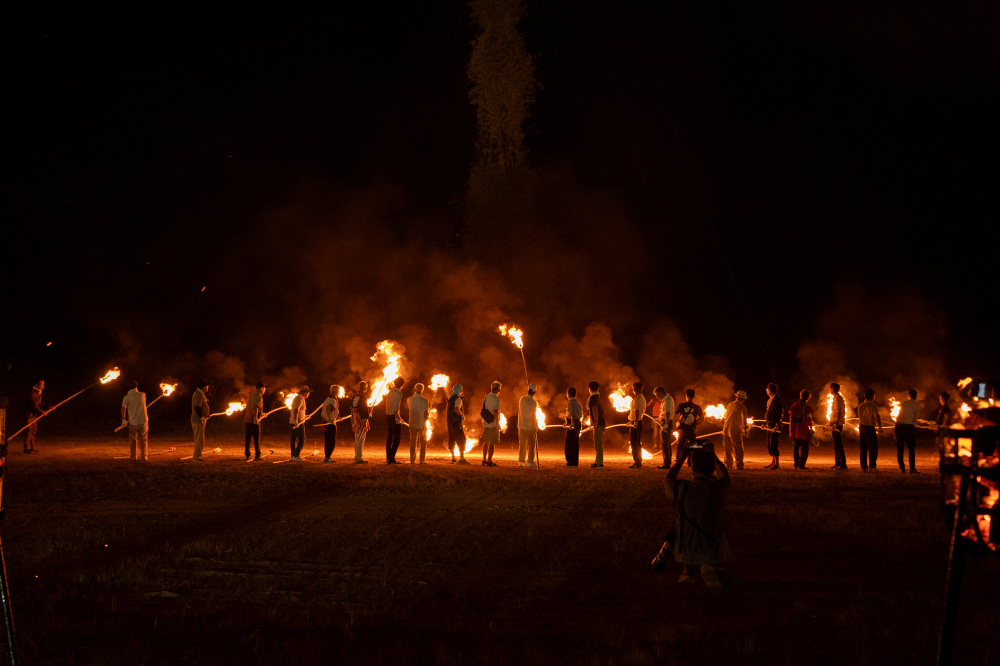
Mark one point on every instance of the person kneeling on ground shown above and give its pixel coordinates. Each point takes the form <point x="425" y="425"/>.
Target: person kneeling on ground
<point x="699" y="538"/>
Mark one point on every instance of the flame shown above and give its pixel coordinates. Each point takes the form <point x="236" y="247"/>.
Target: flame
<point x="513" y="333"/>
<point x="235" y="407"/>
<point x="341" y="393"/>
<point x="432" y="414"/>
<point x="503" y="423"/>
<point x="965" y="409"/>
<point x="112" y="374"/>
<point x="621" y="402"/>
<point x="829" y="407"/>
<point x="386" y="348"/>
<point x="646" y="455"/>
<point x="289" y="398"/>
<point x="168" y="389"/>
<point x="894" y="407"/>
<point x="439" y="382"/>
<point x="715" y="411"/>
<point x="965" y="382"/>
<point x="540" y="417"/>
<point x="586" y="422"/>
<point x="749" y="422"/>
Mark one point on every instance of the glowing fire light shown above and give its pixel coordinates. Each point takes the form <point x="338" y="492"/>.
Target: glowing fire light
<point x="965" y="382"/>
<point x="894" y="407"/>
<point x="715" y="411"/>
<point x="646" y="455"/>
<point x="386" y="348"/>
<point x="341" y="393"/>
<point x="621" y="402"/>
<point x="470" y="443"/>
<point x="513" y="333"/>
<point x="289" y="399"/>
<point x="112" y="374"/>
<point x="439" y="382"/>
<point x="432" y="414"/>
<point x="168" y="389"/>
<point x="749" y="422"/>
<point x="829" y="407"/>
<point x="235" y="407"/>
<point x="965" y="409"/>
<point x="503" y="423"/>
<point x="540" y="417"/>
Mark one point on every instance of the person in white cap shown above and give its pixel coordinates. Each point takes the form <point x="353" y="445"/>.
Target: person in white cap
<point x="134" y="413"/>
<point x="297" y="419"/>
<point x="527" y="427"/>
<point x="734" y="427"/>
<point x="491" y="429"/>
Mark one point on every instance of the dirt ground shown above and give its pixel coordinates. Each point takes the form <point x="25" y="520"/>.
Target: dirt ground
<point x="224" y="562"/>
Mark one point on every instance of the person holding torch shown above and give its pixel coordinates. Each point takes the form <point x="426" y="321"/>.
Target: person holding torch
<point x="134" y="413"/>
<point x="360" y="413"/>
<point x="330" y="413"/>
<point x="199" y="417"/>
<point x="252" y="414"/>
<point x="297" y="419"/>
<point x="36" y="410"/>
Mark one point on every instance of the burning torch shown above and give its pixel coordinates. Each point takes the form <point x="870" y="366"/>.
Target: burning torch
<point x="167" y="391"/>
<point x="109" y="376"/>
<point x="516" y="337"/>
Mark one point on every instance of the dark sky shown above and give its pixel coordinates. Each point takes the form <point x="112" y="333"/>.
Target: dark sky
<point x="769" y="167"/>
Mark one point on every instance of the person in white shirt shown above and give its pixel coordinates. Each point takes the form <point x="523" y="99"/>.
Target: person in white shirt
<point x="635" y="425"/>
<point x="906" y="431"/>
<point x="418" y="423"/>
<point x="199" y="417"/>
<point x="297" y="419"/>
<point x="393" y="421"/>
<point x="663" y="423"/>
<point x="734" y="427"/>
<point x="134" y="412"/>
<point x="837" y="420"/>
<point x="360" y="413"/>
<point x="527" y="427"/>
<point x="330" y="412"/>
<point x="491" y="429"/>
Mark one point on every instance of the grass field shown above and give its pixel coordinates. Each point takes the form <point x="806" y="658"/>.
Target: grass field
<point x="169" y="562"/>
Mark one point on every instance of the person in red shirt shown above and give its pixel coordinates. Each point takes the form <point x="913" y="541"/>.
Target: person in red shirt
<point x="800" y="429"/>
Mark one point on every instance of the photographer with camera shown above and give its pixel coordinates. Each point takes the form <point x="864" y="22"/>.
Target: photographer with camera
<point x="698" y="539"/>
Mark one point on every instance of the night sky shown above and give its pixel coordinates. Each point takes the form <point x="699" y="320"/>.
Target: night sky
<point x="723" y="190"/>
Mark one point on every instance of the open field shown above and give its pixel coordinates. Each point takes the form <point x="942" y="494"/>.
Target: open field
<point x="169" y="562"/>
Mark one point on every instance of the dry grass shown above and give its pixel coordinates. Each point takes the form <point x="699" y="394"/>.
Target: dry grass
<point x="264" y="563"/>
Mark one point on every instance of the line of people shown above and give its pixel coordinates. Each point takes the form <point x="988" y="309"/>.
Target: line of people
<point x="666" y="417"/>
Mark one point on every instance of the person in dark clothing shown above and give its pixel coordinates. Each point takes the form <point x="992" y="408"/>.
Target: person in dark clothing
<point x="838" y="417"/>
<point x="574" y="422"/>
<point x="596" y="412"/>
<point x="456" y="431"/>
<point x="772" y="419"/>
<point x="689" y="416"/>
<point x="393" y="420"/>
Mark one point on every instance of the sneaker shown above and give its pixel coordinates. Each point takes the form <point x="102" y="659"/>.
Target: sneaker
<point x="739" y="466"/>
<point x="835" y="467"/>
<point x="463" y="461"/>
<point x="902" y="470"/>
<point x="248" y="458"/>
<point x="360" y="462"/>
<point x="530" y="465"/>
<point x="597" y="465"/>
<point x="326" y="460"/>
<point x="197" y="460"/>
<point x="256" y="458"/>
<point x="452" y="461"/>
<point x="296" y="459"/>
<point x="490" y="463"/>
<point x="913" y="471"/>
<point x="663" y="466"/>
<point x="635" y="466"/>
<point x="485" y="464"/>
<point x="873" y="468"/>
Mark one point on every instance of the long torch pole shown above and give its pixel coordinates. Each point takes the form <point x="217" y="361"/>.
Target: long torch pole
<point x="50" y="410"/>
